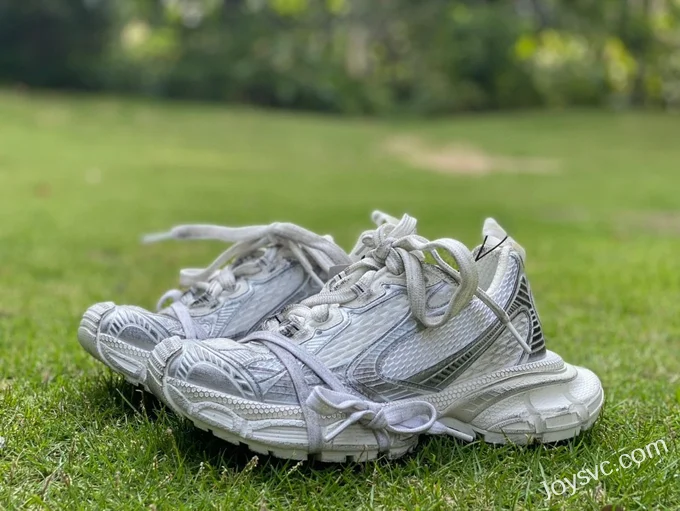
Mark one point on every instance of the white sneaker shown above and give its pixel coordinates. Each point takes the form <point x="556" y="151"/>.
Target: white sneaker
<point x="265" y="269"/>
<point x="392" y="347"/>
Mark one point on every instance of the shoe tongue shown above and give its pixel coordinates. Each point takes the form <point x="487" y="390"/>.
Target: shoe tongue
<point x="379" y="218"/>
<point x="190" y="298"/>
<point x="289" y="324"/>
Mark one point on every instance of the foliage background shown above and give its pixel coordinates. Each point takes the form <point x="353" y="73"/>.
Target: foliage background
<point x="352" y="56"/>
<point x="83" y="176"/>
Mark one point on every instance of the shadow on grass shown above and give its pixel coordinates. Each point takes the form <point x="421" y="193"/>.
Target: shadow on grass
<point x="115" y="397"/>
<point x="437" y="453"/>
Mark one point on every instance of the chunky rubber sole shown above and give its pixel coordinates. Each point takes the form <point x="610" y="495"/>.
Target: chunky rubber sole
<point x="532" y="408"/>
<point x="546" y="401"/>
<point x="123" y="358"/>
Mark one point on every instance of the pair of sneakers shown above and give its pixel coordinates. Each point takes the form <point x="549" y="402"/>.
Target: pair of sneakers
<point x="296" y="348"/>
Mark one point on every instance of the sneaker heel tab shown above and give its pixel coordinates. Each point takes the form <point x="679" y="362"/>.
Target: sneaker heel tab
<point x="496" y="236"/>
<point x="379" y="218"/>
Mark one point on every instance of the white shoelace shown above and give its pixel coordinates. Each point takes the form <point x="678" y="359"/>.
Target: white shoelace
<point x="394" y="249"/>
<point x="303" y="245"/>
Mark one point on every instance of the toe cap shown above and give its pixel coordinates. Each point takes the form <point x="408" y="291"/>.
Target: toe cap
<point x="122" y="336"/>
<point x="89" y="327"/>
<point x="137" y="327"/>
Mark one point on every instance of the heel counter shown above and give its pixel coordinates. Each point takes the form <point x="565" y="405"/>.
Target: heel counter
<point x="524" y="300"/>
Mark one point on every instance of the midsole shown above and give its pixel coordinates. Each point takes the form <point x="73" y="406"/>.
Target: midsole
<point x="122" y="357"/>
<point x="551" y="370"/>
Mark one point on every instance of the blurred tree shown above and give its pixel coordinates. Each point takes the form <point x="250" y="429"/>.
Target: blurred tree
<point x="353" y="56"/>
<point x="53" y="43"/>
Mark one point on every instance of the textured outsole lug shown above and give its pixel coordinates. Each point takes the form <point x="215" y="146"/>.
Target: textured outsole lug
<point x="361" y="454"/>
<point x="494" y="438"/>
<point x="297" y="454"/>
<point x="230" y="433"/>
<point x="549" y="426"/>
<point x="88" y="330"/>
<point x="127" y="360"/>
<point x="117" y="355"/>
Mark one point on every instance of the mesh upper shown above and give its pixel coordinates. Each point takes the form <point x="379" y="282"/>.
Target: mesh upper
<point x="225" y="316"/>
<point x="380" y="350"/>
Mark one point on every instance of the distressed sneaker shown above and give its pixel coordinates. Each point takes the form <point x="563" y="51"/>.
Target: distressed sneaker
<point x="266" y="268"/>
<point x="397" y="345"/>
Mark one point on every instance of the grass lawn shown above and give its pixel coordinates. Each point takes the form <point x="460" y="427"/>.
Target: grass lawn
<point x="81" y="178"/>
